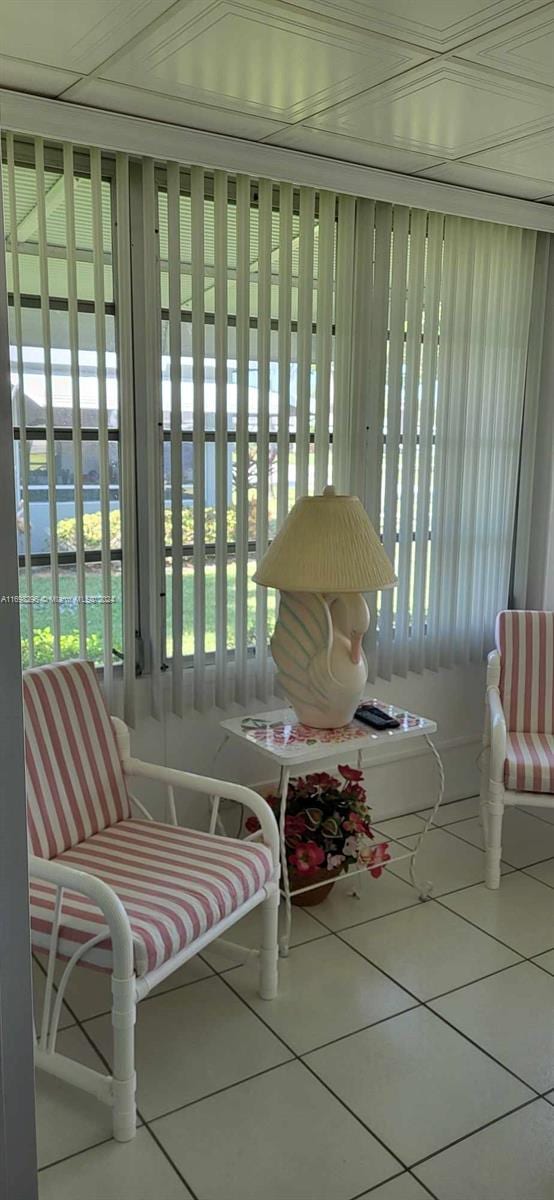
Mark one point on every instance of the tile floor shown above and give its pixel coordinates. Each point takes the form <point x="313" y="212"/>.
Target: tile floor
<point x="410" y="1052"/>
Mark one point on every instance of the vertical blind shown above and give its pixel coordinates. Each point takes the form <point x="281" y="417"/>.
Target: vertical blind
<point x="246" y="313"/>
<point x="66" y="216"/>
<point x="268" y="339"/>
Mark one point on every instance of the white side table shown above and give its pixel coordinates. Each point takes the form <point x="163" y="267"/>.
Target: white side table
<point x="281" y="737"/>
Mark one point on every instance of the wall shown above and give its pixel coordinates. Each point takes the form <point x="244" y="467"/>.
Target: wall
<point x="454" y="698"/>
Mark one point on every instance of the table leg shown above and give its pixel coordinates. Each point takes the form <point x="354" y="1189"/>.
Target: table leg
<point x="284" y="941"/>
<point x="425" y="887"/>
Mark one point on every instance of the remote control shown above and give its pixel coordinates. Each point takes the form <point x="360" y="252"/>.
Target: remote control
<point x="371" y="715"/>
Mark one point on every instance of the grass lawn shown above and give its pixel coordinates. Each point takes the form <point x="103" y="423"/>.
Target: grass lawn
<point x="69" y="615"/>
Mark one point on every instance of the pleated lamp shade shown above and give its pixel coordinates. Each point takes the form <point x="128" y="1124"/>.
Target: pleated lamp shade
<point x="327" y="544"/>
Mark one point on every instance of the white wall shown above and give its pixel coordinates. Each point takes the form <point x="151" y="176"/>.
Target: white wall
<point x="453" y="698"/>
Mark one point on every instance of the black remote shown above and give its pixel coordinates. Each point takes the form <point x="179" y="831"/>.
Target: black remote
<point x="371" y="715"/>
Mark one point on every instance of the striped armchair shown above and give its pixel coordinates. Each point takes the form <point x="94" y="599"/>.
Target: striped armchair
<point x="518" y="743"/>
<point x="131" y="896"/>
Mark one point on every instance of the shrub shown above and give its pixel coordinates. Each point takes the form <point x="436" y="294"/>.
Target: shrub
<point x="43" y="643"/>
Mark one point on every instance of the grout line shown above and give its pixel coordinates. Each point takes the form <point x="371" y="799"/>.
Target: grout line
<point x="227" y="1087"/>
<point x="76" y="1153"/>
<point x="172" y="1164"/>
<point x="466" y="1136"/>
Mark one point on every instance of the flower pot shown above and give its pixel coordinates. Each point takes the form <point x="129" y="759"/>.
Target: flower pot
<point x="316" y="895"/>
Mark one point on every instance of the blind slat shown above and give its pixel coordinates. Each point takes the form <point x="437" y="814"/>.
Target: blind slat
<point x="21" y="405"/>
<point x="47" y="351"/>
<point x="125" y="362"/>
<point x="154" y="447"/>
<point x="426" y="429"/>
<point x="174" y="268"/>
<point x="284" y="347"/>
<point x="73" y="323"/>
<point x="241" y="453"/>
<point x="304" y="340"/>
<point x="221" y="480"/>
<point x="343" y="342"/>
<point x="103" y="444"/>
<point x="324" y="334"/>
<point x="378" y="335"/>
<point x="407" y="483"/>
<point x="199" y="461"/>
<point x="262" y="456"/>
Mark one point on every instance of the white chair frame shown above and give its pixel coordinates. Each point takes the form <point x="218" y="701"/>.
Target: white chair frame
<point x="118" y="1090"/>
<point x="494" y="794"/>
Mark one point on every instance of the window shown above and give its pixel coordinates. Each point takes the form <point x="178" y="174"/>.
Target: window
<point x="193" y="350"/>
<point x="58" y="224"/>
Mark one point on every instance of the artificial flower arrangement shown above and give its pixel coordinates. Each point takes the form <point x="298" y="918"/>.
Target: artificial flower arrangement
<point x="327" y="827"/>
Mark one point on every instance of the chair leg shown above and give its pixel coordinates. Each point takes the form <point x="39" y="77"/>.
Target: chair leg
<point x="269" y="949"/>
<point x="484" y="791"/>
<point x="124" y="1078"/>
<point x="493" y="843"/>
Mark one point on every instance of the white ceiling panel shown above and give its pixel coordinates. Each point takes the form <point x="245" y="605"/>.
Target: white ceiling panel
<point x="445" y="108"/>
<point x="467" y="175"/>
<point x="439" y="24"/>
<point x="332" y="145"/>
<point x="33" y="77"/>
<point x="524" y="48"/>
<point x="532" y="156"/>
<point x="121" y="98"/>
<point x="259" y="56"/>
<point x="77" y="34"/>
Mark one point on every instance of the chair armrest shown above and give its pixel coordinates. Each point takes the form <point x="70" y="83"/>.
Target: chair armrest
<point x="212" y="787"/>
<point x="497" y="734"/>
<point x="73" y="880"/>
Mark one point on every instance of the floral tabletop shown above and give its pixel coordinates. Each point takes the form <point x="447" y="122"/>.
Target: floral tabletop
<point x="280" y="735"/>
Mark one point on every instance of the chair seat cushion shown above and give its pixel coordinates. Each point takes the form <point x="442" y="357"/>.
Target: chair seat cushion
<point x="174" y="884"/>
<point x="529" y="765"/>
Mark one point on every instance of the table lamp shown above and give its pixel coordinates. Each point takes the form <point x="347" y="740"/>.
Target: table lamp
<point x="325" y="555"/>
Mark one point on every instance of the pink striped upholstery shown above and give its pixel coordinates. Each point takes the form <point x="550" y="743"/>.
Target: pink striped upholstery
<point x="529" y="765"/>
<point x="174" y="884"/>
<point x="525" y="641"/>
<point x="75" y="784"/>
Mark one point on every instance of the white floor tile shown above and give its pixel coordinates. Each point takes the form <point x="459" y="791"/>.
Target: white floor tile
<point x="361" y="898"/>
<point x="511" y="1016"/>
<point x="416" y="1083"/>
<point x="404" y="1187"/>
<point x="401" y="827"/>
<point x="279" y="1136"/>
<point x="457" y="810"/>
<point x="444" y="863"/>
<point x="192" y="1042"/>
<point x="89" y="992"/>
<point x="511" y="1160"/>
<point x="544" y="814"/>
<point x="136" y="1170"/>
<point x="546" y="961"/>
<point x="520" y="912"/>
<point x="428" y="949"/>
<point x="39" y="984"/>
<point x="248" y="933"/>
<point x="325" y="991"/>
<point x="524" y="839"/>
<point x="69" y="1120"/>
<point x="543" y="871"/>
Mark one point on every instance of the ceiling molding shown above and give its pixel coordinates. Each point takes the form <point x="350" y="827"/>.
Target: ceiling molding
<point x="112" y="131"/>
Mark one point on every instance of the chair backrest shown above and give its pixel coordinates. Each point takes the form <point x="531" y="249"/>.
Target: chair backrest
<point x="525" y="641"/>
<point x="75" y="784"/>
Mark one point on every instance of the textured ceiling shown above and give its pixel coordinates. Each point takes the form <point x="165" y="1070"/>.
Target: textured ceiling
<point x="461" y="91"/>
